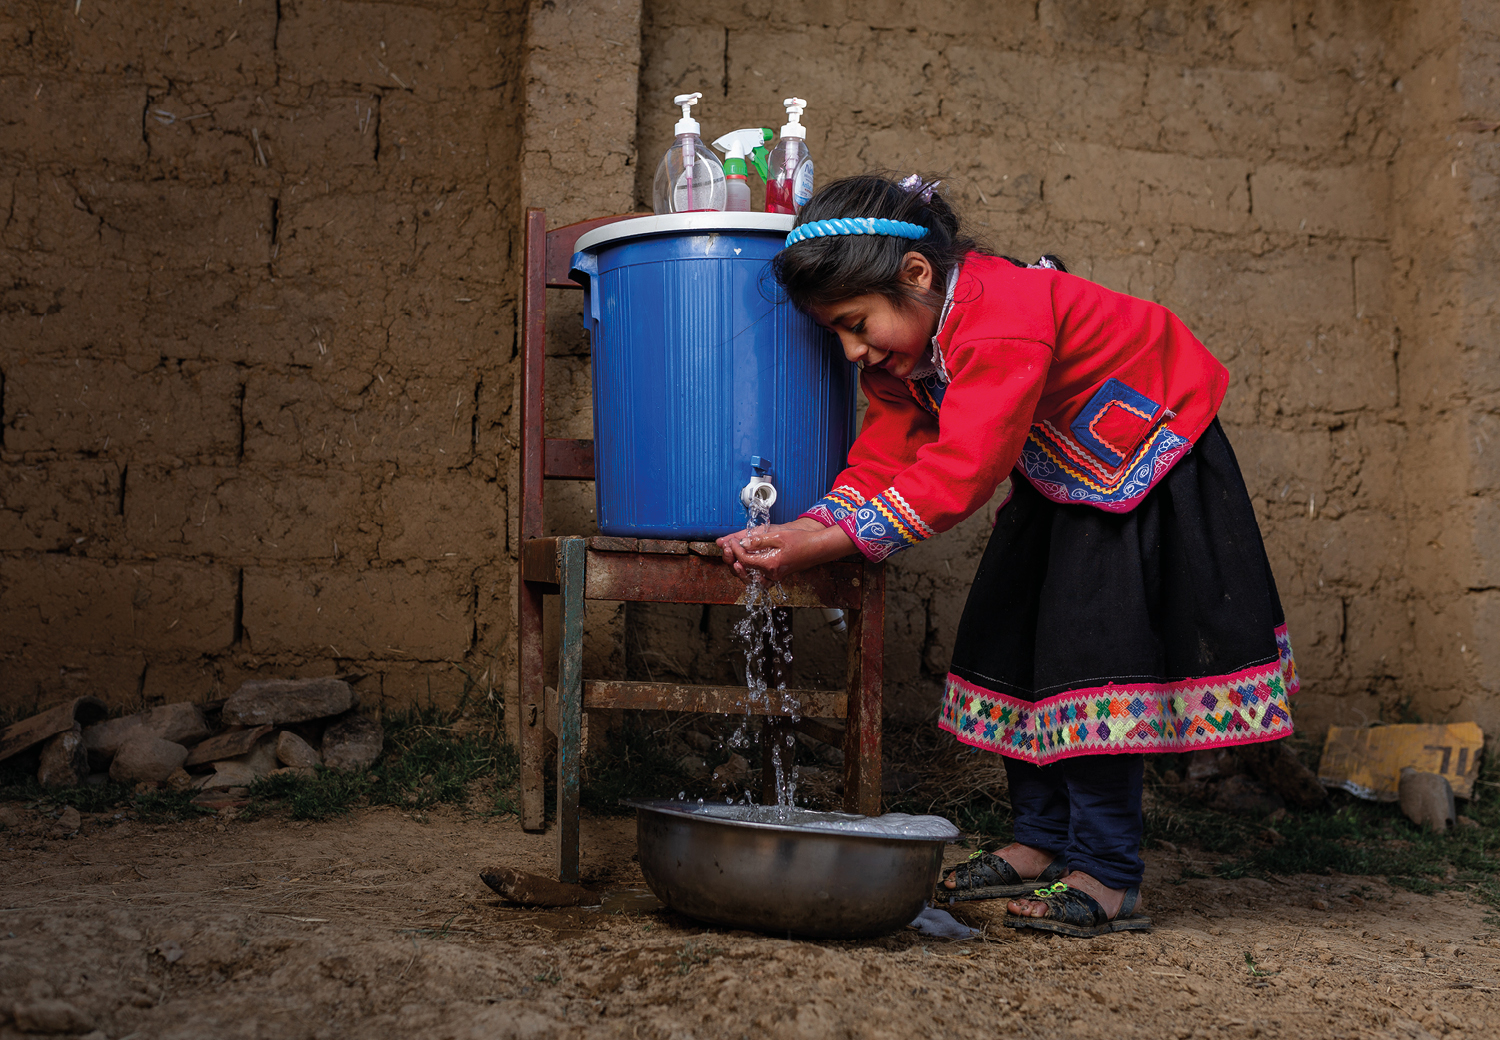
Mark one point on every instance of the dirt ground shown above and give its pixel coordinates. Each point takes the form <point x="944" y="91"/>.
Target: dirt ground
<point x="377" y="925"/>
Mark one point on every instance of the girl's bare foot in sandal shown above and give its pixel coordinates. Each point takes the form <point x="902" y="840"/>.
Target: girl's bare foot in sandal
<point x="1079" y="906"/>
<point x="1011" y="871"/>
<point x="1024" y="860"/>
<point x="1109" y="898"/>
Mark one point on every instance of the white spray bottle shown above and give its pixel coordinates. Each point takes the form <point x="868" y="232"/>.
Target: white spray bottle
<point x="791" y="183"/>
<point x="689" y="178"/>
<point x="739" y="146"/>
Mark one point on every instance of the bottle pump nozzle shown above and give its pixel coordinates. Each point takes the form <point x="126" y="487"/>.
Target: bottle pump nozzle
<point x="687" y="124"/>
<point x="793" y="127"/>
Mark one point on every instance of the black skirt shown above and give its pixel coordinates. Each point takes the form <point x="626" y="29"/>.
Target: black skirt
<point x="1089" y="632"/>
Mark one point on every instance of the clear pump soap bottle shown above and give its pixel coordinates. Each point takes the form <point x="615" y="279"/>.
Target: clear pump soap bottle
<point x="791" y="183"/>
<point x="689" y="178"/>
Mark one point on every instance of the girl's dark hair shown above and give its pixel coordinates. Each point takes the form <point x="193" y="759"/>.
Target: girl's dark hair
<point x="838" y="267"/>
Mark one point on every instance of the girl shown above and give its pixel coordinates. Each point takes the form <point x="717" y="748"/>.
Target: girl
<point x="1124" y="603"/>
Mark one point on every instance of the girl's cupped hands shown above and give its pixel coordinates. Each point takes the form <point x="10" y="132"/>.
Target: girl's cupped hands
<point x="779" y="550"/>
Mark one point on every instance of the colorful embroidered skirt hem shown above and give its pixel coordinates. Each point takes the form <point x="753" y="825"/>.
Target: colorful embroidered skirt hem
<point x="1243" y="707"/>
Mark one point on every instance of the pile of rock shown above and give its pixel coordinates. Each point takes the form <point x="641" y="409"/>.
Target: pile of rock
<point x="267" y="727"/>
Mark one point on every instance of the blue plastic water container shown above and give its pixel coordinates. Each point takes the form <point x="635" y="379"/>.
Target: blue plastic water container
<point x="698" y="369"/>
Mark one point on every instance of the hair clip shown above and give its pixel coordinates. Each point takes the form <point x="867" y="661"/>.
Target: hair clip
<point x="914" y="185"/>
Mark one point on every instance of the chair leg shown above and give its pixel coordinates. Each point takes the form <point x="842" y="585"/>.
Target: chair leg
<point x="852" y="764"/>
<point x="866" y="668"/>
<point x="569" y="704"/>
<point x="533" y="728"/>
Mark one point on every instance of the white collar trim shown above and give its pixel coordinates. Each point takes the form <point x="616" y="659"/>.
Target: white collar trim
<point x="937" y="353"/>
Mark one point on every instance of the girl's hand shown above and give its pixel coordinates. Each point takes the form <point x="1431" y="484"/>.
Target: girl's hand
<point x="800" y="524"/>
<point x="779" y="550"/>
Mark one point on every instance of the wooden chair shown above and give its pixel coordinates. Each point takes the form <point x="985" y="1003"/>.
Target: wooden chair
<point x="656" y="571"/>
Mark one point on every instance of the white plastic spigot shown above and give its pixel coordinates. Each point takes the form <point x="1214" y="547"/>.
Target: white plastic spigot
<point x="687" y="124"/>
<point x="759" y="492"/>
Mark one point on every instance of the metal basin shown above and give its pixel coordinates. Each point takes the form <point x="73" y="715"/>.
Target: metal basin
<point x="817" y="875"/>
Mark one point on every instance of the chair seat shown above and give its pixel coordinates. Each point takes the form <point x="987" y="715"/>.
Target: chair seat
<point x="645" y="571"/>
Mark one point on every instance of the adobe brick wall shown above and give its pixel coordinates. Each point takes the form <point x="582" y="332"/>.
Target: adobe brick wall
<point x="257" y="319"/>
<point x="256" y="339"/>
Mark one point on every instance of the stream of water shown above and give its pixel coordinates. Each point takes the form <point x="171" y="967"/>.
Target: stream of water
<point x="768" y="656"/>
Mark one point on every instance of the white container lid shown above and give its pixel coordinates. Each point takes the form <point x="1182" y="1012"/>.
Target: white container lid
<point x="667" y="223"/>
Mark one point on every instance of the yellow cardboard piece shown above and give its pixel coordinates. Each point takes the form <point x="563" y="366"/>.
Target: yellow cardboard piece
<point x="1367" y="761"/>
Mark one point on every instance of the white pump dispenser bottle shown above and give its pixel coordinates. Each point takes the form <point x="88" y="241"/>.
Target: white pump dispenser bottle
<point x="689" y="178"/>
<point x="791" y="181"/>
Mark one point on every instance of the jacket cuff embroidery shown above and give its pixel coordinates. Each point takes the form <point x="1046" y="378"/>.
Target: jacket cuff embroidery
<point x="885" y="524"/>
<point x="842" y="501"/>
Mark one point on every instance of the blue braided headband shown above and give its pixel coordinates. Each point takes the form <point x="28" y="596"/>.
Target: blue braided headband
<point x="856" y="226"/>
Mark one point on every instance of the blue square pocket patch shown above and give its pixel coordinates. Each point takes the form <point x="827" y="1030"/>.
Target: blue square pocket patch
<point x="1115" y="421"/>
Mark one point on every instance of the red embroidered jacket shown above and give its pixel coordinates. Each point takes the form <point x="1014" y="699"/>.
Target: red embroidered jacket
<point x="1091" y="394"/>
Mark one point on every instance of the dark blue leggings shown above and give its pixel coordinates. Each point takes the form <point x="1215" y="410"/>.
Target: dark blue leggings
<point x="1086" y="809"/>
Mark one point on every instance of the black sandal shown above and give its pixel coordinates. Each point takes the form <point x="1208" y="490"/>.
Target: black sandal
<point x="987" y="876"/>
<point x="1075" y="913"/>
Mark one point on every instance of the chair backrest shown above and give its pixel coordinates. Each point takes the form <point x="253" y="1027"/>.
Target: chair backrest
<point x="548" y="255"/>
